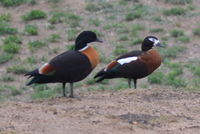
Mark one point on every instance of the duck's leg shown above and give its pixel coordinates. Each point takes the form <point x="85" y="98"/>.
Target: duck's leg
<point x="129" y="82"/>
<point x="135" y="83"/>
<point x="71" y="91"/>
<point x="64" y="90"/>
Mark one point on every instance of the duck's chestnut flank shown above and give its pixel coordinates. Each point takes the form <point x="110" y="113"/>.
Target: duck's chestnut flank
<point x="70" y="66"/>
<point x="134" y="65"/>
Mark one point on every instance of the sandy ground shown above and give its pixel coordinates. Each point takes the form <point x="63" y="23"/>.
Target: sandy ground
<point x="141" y="111"/>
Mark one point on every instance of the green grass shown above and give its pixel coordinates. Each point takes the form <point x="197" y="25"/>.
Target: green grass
<point x="9" y="3"/>
<point x="31" y="29"/>
<point x="7" y="78"/>
<point x="123" y="37"/>
<point x="73" y="20"/>
<point x="156" y="30"/>
<point x="32" y="60"/>
<point x="71" y="34"/>
<point x="44" y="91"/>
<point x="68" y="17"/>
<point x="136" y="41"/>
<point x="175" y="11"/>
<point x="135" y="28"/>
<point x="57" y="17"/>
<point x="172" y="77"/>
<point x="13" y="38"/>
<point x="184" y="39"/>
<point x="34" y="15"/>
<point x="196" y="31"/>
<point x="179" y="2"/>
<point x="5" y="57"/>
<point x="119" y="50"/>
<point x="11" y="48"/>
<point x="176" y="33"/>
<point x="92" y="7"/>
<point x="156" y="77"/>
<point x="5" y="17"/>
<point x="6" y="29"/>
<point x="95" y="22"/>
<point x="136" y="12"/>
<point x="172" y="52"/>
<point x="112" y="26"/>
<point x="54" y="38"/>
<point x="194" y="68"/>
<point x="35" y="45"/>
<point x="17" y="69"/>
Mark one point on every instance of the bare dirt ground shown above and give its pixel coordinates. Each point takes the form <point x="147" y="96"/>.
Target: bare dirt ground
<point x="141" y="111"/>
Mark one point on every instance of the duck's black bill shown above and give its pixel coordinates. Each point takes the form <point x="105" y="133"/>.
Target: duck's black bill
<point x="98" y="40"/>
<point x="160" y="45"/>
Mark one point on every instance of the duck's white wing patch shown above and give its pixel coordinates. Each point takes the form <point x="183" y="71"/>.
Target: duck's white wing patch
<point x="127" y="60"/>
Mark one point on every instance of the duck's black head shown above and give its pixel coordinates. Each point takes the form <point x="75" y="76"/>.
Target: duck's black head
<point x="84" y="38"/>
<point x="149" y="42"/>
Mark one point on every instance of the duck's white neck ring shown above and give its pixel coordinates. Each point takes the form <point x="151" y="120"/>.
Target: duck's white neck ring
<point x="82" y="49"/>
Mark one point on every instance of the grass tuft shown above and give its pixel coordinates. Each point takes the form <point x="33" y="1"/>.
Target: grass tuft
<point x="31" y="30"/>
<point x="34" y="15"/>
<point x="5" y="57"/>
<point x="175" y="11"/>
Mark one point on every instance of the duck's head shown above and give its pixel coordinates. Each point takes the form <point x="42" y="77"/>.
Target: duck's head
<point x="149" y="42"/>
<point x="84" y="38"/>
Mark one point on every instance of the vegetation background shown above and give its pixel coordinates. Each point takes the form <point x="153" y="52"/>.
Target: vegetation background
<point x="34" y="31"/>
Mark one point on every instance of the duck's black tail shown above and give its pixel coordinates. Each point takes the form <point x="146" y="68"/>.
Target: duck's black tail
<point x="101" y="75"/>
<point x="38" y="78"/>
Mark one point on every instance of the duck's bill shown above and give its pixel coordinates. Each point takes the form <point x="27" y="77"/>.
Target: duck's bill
<point x="98" y="40"/>
<point x="160" y="45"/>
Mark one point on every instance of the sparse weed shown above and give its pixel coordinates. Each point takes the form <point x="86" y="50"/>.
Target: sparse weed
<point x="137" y="12"/>
<point x="95" y="22"/>
<point x="34" y="45"/>
<point x="6" y="17"/>
<point x="32" y="60"/>
<point x="54" y="38"/>
<point x="73" y="20"/>
<point x="172" y="52"/>
<point x="196" y="31"/>
<point x="7" y="78"/>
<point x="57" y="17"/>
<point x="157" y="19"/>
<point x="175" y="11"/>
<point x="119" y="50"/>
<point x="31" y="30"/>
<point x="180" y="2"/>
<point x="156" y="30"/>
<point x="156" y="78"/>
<point x="44" y="91"/>
<point x="8" y="3"/>
<point x="17" y="69"/>
<point x="136" y="41"/>
<point x="112" y="26"/>
<point x="184" y="39"/>
<point x="123" y="37"/>
<point x="13" y="38"/>
<point x="92" y="7"/>
<point x="11" y="47"/>
<point x="5" y="57"/>
<point x="98" y="33"/>
<point x="6" y="29"/>
<point x="71" y="34"/>
<point x="34" y="15"/>
<point x="176" y="33"/>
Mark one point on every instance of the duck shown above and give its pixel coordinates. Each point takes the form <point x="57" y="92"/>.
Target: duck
<point x="135" y="64"/>
<point x="70" y="66"/>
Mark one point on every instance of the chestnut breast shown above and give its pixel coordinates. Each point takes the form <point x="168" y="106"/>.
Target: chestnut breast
<point x="92" y="55"/>
<point x="152" y="59"/>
